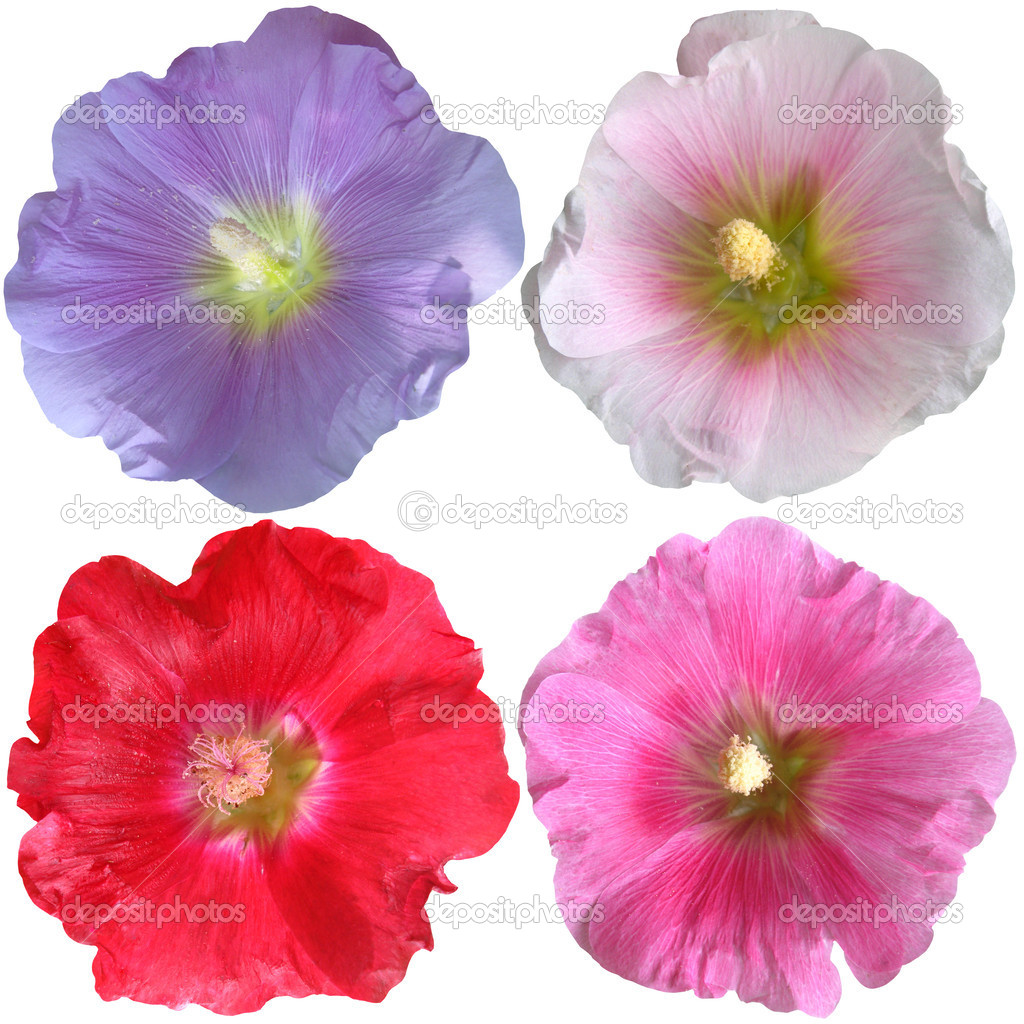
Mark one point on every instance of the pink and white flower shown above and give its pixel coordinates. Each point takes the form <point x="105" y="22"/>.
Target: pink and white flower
<point x="785" y="264"/>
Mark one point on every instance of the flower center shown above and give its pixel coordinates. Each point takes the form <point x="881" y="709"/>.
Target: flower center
<point x="747" y="254"/>
<point x="742" y="768"/>
<point x="275" y="273"/>
<point x="250" y="253"/>
<point x="230" y="769"/>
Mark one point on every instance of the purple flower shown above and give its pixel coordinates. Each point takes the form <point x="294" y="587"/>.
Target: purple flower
<point x="232" y="281"/>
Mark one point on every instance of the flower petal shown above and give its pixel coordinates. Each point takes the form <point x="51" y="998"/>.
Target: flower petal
<point x="709" y="35"/>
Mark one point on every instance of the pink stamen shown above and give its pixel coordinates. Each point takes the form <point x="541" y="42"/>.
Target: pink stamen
<point x="231" y="769"/>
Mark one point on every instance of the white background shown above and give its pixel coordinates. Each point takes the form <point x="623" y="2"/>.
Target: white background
<point x="506" y="430"/>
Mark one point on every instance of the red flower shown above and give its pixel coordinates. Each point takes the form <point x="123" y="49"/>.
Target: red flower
<point x="237" y="793"/>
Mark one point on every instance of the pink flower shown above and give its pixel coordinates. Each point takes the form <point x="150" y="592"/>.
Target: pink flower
<point x="777" y="263"/>
<point x="772" y="751"/>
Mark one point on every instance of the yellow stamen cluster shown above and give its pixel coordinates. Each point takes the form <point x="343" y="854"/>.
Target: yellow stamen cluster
<point x="250" y="253"/>
<point x="747" y="254"/>
<point x="742" y="768"/>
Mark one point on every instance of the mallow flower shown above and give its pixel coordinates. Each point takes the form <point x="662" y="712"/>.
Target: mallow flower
<point x="773" y="264"/>
<point x="770" y="751"/>
<point x="237" y="795"/>
<point x="229" y="282"/>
